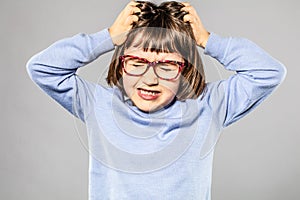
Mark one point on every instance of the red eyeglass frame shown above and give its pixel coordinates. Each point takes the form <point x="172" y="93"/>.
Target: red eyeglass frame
<point x="152" y="64"/>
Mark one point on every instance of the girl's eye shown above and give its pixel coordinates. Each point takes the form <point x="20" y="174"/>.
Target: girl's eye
<point x="135" y="63"/>
<point x="138" y="65"/>
<point x="168" y="67"/>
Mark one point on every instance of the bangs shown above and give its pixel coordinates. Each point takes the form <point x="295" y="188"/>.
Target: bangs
<point x="159" y="40"/>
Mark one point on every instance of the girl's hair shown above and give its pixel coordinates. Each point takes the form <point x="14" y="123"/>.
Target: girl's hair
<point x="162" y="29"/>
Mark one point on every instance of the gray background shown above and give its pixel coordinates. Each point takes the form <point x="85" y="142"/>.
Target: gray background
<point x="42" y="148"/>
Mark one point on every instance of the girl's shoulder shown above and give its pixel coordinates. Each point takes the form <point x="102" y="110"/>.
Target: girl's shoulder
<point x="213" y="91"/>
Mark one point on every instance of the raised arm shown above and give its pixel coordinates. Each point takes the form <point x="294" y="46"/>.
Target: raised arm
<point x="257" y="73"/>
<point x="54" y="69"/>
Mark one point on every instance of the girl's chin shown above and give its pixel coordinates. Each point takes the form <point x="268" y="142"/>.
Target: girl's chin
<point x="151" y="106"/>
<point x="148" y="108"/>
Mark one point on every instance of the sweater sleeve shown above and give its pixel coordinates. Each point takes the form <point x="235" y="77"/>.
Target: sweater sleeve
<point x="54" y="69"/>
<point x="257" y="75"/>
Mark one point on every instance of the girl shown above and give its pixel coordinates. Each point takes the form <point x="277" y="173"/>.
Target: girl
<point x="152" y="133"/>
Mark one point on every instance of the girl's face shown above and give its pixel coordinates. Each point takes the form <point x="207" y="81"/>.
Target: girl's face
<point x="148" y="92"/>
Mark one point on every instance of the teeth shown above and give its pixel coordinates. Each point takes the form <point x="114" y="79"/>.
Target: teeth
<point x="148" y="92"/>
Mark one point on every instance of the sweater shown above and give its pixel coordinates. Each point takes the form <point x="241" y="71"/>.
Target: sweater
<point x="167" y="154"/>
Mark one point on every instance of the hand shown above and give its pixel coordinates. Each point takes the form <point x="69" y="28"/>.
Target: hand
<point x="123" y="23"/>
<point x="200" y="33"/>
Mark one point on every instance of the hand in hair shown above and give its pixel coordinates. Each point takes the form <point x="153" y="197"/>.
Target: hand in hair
<point x="200" y="33"/>
<point x="123" y="23"/>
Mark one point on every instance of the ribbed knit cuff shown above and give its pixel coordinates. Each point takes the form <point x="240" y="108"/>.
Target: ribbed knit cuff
<point x="102" y="42"/>
<point x="216" y="46"/>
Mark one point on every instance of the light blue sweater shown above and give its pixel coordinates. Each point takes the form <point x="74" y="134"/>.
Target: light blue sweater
<point x="165" y="155"/>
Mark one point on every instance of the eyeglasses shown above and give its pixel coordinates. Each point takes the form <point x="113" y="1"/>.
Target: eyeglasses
<point x="164" y="69"/>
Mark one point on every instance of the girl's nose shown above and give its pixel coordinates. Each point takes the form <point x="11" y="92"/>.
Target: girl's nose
<point x="150" y="77"/>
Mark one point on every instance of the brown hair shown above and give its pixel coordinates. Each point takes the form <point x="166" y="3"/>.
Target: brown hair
<point x="162" y="29"/>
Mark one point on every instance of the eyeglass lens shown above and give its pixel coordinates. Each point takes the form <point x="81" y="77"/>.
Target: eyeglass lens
<point x="163" y="69"/>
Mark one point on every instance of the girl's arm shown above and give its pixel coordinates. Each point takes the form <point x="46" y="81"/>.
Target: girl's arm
<point x="257" y="73"/>
<point x="257" y="76"/>
<point x="54" y="69"/>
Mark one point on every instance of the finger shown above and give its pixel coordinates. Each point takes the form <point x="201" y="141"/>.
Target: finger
<point x="134" y="18"/>
<point x="186" y="4"/>
<point x="131" y="9"/>
<point x="130" y="19"/>
<point x="189" y="9"/>
<point x="188" y="18"/>
<point x="135" y="10"/>
<point x="133" y="4"/>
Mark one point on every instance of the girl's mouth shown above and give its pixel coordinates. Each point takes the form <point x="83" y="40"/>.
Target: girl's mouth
<point x="148" y="94"/>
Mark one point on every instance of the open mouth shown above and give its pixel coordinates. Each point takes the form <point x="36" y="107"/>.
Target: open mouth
<point x="148" y="94"/>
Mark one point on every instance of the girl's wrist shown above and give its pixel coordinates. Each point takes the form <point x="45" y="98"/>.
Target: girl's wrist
<point x="203" y="39"/>
<point x="112" y="35"/>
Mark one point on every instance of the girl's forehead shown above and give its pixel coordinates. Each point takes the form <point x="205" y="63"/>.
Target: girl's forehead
<point x="152" y="55"/>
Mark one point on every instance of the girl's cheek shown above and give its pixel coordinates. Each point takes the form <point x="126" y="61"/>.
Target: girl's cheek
<point x="172" y="86"/>
<point x="129" y="84"/>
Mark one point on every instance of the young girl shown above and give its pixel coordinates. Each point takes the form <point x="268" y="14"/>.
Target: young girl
<point x="152" y="133"/>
